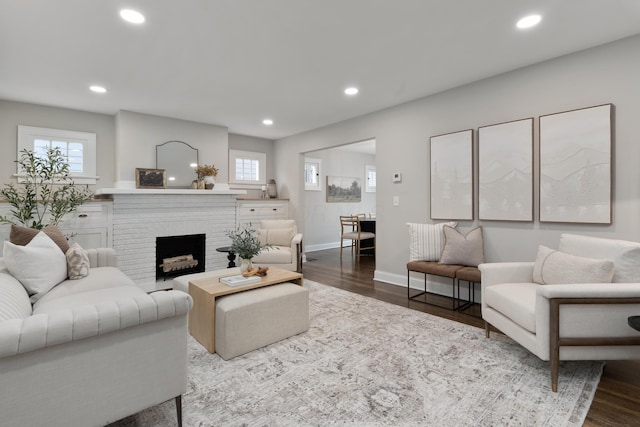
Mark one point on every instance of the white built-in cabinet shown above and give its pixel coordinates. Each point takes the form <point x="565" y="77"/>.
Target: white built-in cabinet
<point x="90" y="224"/>
<point x="254" y="210"/>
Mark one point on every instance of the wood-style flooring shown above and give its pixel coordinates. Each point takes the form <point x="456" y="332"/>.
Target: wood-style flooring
<point x="617" y="399"/>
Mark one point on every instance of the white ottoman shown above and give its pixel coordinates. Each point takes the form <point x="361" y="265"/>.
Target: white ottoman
<point x="249" y="320"/>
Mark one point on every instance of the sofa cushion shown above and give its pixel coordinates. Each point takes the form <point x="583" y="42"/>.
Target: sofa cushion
<point x="98" y="296"/>
<point x="426" y="241"/>
<point x="39" y="266"/>
<point x="14" y="299"/>
<point x="556" y="268"/>
<point x="77" y="262"/>
<point x="98" y="278"/>
<point x="274" y="255"/>
<point x="517" y="301"/>
<point x="464" y="250"/>
<point x="23" y="235"/>
<point x="624" y="254"/>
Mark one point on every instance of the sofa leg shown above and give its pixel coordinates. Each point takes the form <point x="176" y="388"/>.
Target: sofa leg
<point x="179" y="409"/>
<point x="487" y="329"/>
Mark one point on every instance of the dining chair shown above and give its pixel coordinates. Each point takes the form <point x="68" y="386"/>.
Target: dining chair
<point x="351" y="229"/>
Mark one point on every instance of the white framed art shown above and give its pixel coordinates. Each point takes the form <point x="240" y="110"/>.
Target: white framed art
<point x="576" y="166"/>
<point x="505" y="171"/>
<point x="452" y="175"/>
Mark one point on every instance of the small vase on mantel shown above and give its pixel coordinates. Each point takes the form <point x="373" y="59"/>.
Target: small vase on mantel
<point x="209" y="182"/>
<point x="245" y="265"/>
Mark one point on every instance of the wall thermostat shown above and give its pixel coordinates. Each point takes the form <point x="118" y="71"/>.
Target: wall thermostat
<point x="397" y="177"/>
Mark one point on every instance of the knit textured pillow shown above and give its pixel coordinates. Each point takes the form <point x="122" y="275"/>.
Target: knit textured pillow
<point x="77" y="262"/>
<point x="426" y="241"/>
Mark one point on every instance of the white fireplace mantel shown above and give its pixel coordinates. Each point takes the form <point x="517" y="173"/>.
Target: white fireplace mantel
<point x="168" y="191"/>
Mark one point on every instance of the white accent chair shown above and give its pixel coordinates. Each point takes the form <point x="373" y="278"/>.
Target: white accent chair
<point x="578" y="321"/>
<point x="285" y="245"/>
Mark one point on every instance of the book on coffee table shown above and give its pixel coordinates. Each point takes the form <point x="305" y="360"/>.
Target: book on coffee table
<point x="239" y="280"/>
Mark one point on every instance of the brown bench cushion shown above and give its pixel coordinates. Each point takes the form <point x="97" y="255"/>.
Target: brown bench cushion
<point x="469" y="274"/>
<point x="435" y="268"/>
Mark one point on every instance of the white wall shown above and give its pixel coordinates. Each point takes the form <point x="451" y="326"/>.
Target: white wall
<point x="597" y="76"/>
<point x="138" y="134"/>
<point x="323" y="227"/>
<point x="13" y="114"/>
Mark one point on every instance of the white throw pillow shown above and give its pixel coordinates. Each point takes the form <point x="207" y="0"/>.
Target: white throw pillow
<point x="426" y="241"/>
<point x="556" y="268"/>
<point x="624" y="254"/>
<point x="39" y="266"/>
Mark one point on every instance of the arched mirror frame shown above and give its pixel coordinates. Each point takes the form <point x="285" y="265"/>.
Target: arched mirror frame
<point x="177" y="158"/>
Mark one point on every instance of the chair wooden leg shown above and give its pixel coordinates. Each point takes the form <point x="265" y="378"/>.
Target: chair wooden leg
<point x="179" y="409"/>
<point x="554" y="344"/>
<point x="487" y="329"/>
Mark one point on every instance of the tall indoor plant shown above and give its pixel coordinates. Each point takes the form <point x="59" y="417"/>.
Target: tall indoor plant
<point x="45" y="191"/>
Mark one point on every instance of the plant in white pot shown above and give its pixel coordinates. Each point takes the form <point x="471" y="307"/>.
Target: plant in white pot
<point x="245" y="244"/>
<point x="45" y="191"/>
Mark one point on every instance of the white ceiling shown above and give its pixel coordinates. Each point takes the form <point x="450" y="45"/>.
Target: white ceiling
<point x="234" y="62"/>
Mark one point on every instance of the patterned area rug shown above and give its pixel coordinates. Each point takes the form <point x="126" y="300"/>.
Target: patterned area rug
<point x="369" y="363"/>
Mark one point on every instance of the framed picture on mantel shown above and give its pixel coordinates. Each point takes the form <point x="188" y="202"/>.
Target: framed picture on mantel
<point x="151" y="178"/>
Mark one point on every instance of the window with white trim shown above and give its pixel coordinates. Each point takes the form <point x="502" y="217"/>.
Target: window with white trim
<point x="247" y="168"/>
<point x="370" y="176"/>
<point x="312" y="174"/>
<point x="79" y="148"/>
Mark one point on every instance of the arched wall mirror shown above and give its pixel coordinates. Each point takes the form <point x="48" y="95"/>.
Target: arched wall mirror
<point x="179" y="160"/>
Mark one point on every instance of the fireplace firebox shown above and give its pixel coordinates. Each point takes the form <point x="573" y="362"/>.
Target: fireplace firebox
<point x="179" y="255"/>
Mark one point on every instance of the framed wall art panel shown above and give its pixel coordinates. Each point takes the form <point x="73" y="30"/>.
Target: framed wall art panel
<point x="576" y="166"/>
<point x="342" y="189"/>
<point x="452" y="176"/>
<point x="505" y="171"/>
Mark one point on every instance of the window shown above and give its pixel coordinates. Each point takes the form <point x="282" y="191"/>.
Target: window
<point x="312" y="174"/>
<point x="370" y="176"/>
<point x="79" y="148"/>
<point x="247" y="168"/>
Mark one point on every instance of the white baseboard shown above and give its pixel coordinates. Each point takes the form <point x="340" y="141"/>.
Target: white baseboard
<point x="321" y="247"/>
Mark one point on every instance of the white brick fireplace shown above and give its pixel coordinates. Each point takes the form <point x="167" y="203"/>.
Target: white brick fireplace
<point x="139" y="216"/>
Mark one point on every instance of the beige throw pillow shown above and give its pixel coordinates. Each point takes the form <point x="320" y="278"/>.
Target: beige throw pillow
<point x="426" y="241"/>
<point x="22" y="236"/>
<point x="280" y="236"/>
<point x="77" y="262"/>
<point x="464" y="250"/>
<point x="555" y="267"/>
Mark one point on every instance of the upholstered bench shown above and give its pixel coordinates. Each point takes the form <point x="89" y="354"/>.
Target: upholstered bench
<point x="455" y="272"/>
<point x="248" y="320"/>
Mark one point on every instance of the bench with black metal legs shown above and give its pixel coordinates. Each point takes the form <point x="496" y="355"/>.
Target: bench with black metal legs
<point x="455" y="272"/>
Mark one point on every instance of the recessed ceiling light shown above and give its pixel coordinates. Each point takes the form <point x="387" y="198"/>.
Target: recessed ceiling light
<point x="97" y="89"/>
<point x="529" y="21"/>
<point x="351" y="90"/>
<point x="267" y="122"/>
<point x="132" y="16"/>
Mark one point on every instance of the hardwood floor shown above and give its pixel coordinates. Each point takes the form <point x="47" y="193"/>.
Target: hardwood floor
<point x="617" y="399"/>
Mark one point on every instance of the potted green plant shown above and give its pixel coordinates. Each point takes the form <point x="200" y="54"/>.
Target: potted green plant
<point x="45" y="191"/>
<point x="245" y="244"/>
<point x="207" y="173"/>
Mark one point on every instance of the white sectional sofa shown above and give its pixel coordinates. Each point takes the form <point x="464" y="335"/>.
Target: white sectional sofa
<point x="90" y="351"/>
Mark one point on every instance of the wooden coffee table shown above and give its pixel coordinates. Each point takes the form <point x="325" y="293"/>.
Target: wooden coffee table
<point x="205" y="291"/>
